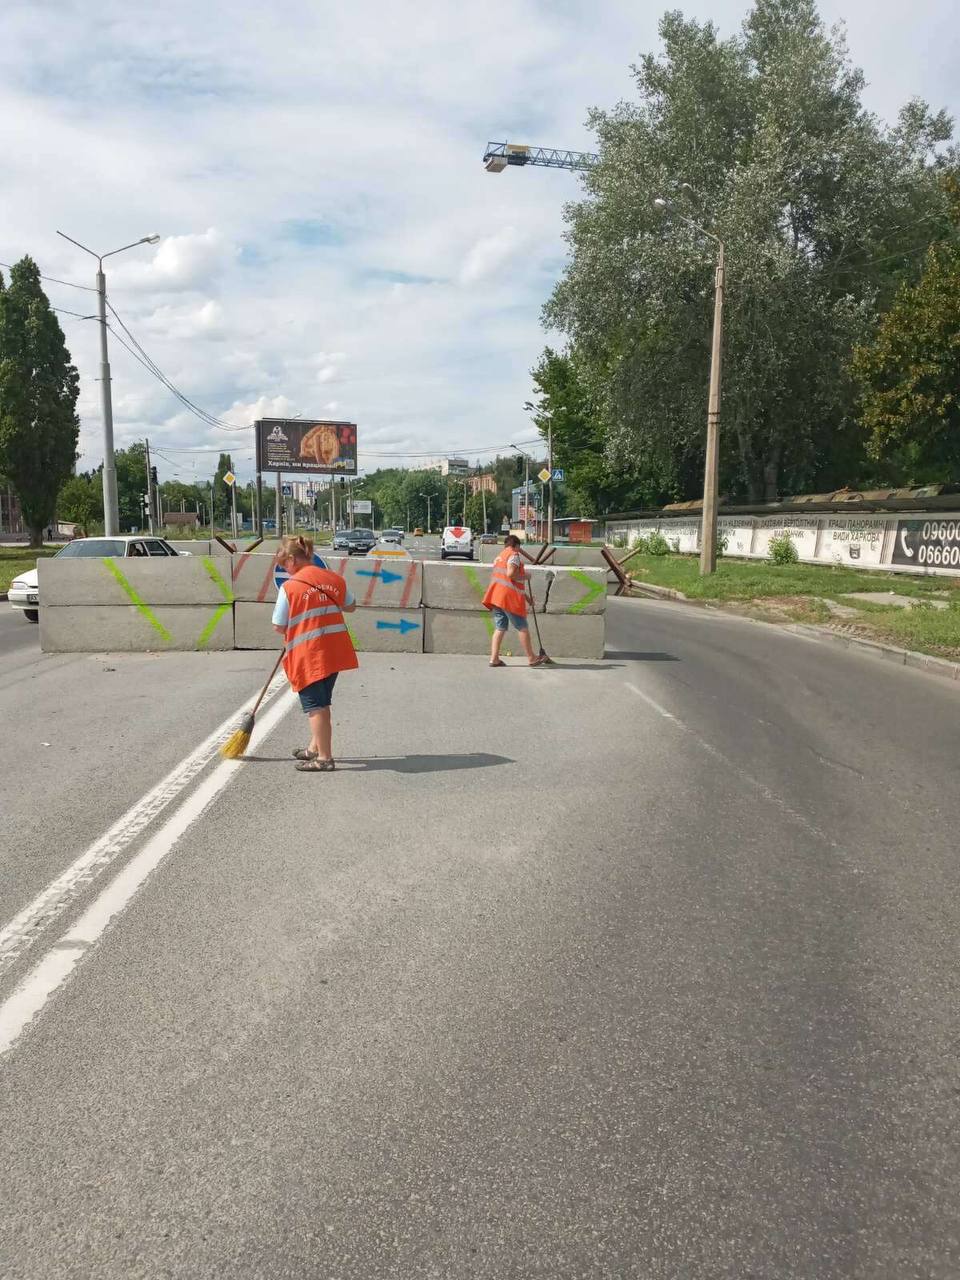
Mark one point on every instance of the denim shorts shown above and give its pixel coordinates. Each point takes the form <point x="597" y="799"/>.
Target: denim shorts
<point x="502" y="620"/>
<point x="318" y="695"/>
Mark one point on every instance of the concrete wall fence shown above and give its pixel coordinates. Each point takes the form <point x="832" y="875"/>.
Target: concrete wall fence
<point x="918" y="543"/>
<point x="218" y="601"/>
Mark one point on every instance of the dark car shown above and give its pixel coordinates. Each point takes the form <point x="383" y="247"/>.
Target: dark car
<point x="355" y="541"/>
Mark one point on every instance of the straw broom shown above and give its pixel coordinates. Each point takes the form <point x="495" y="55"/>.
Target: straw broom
<point x="239" y="740"/>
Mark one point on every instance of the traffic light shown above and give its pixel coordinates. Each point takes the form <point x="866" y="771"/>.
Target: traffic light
<point x="153" y="475"/>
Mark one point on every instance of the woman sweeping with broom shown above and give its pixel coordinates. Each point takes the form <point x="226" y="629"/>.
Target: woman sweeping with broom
<point x="317" y="647"/>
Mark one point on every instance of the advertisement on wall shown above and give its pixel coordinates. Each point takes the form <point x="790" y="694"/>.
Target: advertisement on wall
<point x="928" y="543"/>
<point x="293" y="444"/>
<point x="802" y="531"/>
<point x="852" y="539"/>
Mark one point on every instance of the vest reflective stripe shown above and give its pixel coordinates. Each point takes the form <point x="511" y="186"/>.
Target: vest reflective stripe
<point x="312" y="613"/>
<point x="304" y="636"/>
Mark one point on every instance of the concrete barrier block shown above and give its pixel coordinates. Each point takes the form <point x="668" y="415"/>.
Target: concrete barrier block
<point x="160" y="580"/>
<point x="372" y="630"/>
<point x="564" y="636"/>
<point x="135" y="629"/>
<point x="376" y="583"/>
<point x="570" y="590"/>
<point x="454" y="584"/>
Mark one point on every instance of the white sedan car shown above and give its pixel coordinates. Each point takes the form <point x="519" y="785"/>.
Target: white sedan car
<point x="25" y="591"/>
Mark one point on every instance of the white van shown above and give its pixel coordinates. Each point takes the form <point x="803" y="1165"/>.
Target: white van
<point x="456" y="540"/>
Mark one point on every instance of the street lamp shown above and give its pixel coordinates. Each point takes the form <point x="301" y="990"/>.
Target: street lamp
<point x="111" y="506"/>
<point x="526" y="488"/>
<point x="429" y="498"/>
<point x="708" y="529"/>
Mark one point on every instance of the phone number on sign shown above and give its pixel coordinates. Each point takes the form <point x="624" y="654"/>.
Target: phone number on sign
<point x="940" y="543"/>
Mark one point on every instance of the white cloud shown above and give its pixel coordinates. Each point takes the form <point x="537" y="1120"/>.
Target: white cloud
<point x="332" y="235"/>
<point x="489" y="254"/>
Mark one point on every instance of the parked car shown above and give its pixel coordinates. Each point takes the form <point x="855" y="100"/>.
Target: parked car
<point x="24" y="591"/>
<point x="392" y="535"/>
<point x="456" y="540"/>
<point x="356" y="542"/>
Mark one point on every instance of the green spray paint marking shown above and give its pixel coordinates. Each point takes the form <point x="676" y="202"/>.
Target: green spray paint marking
<point x="353" y="639"/>
<point x="227" y="594"/>
<point x="135" y="599"/>
<point x="474" y="579"/>
<point x="594" y="589"/>
<point x="215" y="574"/>
<point x="211" y="626"/>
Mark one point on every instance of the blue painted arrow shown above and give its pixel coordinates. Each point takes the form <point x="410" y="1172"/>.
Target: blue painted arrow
<point x="383" y="574"/>
<point x="403" y="626"/>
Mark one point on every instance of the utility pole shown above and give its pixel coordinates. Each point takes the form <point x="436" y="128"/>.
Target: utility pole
<point x="550" y="465"/>
<point x="448" y="500"/>
<point x="711" y="491"/>
<point x="483" y="499"/>
<point x="464" y="502"/>
<point x="111" y="506"/>
<point x="278" y="511"/>
<point x="149" y="490"/>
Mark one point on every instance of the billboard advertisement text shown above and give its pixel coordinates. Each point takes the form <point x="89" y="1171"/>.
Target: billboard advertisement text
<point x="293" y="444"/>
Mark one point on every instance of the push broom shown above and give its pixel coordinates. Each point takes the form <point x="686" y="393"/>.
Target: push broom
<point x="546" y="660"/>
<point x="239" y="740"/>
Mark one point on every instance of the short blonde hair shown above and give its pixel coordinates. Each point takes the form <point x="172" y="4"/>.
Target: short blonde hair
<point x="299" y="548"/>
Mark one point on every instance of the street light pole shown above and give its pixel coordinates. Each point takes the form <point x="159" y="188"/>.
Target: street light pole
<point x="526" y="489"/>
<point x="111" y="505"/>
<point x="550" y="465"/>
<point x="429" y="521"/>
<point x="711" y="473"/>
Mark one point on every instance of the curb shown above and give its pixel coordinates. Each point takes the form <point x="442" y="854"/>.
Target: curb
<point x="942" y="667"/>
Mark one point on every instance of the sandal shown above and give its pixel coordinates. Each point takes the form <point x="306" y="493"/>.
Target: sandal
<point x="304" y="753"/>
<point x="314" y="765"/>
<point x="498" y="663"/>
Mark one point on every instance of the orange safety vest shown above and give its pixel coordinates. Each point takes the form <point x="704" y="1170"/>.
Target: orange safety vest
<point x="317" y="640"/>
<point x="505" y="592"/>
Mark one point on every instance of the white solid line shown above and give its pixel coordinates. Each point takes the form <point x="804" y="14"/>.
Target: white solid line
<point x="56" y="966"/>
<point x="656" y="705"/>
<point x="23" y="929"/>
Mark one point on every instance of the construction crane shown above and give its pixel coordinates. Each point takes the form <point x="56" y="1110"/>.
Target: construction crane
<point x="499" y="155"/>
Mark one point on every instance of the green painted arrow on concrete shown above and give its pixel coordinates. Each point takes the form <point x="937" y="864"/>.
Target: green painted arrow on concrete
<point x="594" y="589"/>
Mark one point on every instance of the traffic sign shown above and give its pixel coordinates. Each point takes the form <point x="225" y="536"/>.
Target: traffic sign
<point x="544" y="475"/>
<point x="286" y="490"/>
<point x="229" y="478"/>
<point x="280" y="574"/>
<point x="558" y="475"/>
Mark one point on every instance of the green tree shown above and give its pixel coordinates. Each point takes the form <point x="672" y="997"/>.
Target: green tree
<point x="81" y="500"/>
<point x="821" y="209"/>
<point x="131" y="483"/>
<point x="909" y="374"/>
<point x="39" y="386"/>
<point x="221" y="491"/>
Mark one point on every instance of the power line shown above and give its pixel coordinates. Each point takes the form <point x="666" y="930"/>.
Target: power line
<point x="70" y="283"/>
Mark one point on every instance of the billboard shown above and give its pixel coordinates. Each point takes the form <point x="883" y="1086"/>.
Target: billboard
<point x="293" y="444"/>
<point x="928" y="543"/>
<point x="361" y="506"/>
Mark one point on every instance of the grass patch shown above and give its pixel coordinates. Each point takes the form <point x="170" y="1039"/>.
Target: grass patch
<point x="785" y="591"/>
<point x="16" y="560"/>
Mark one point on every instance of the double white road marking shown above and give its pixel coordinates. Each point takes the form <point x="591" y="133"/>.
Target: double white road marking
<point x="62" y="956"/>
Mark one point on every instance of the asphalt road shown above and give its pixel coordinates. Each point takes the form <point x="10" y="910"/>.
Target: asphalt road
<point x="643" y="968"/>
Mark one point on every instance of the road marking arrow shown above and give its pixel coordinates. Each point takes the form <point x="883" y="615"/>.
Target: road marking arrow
<point x="403" y="626"/>
<point x="384" y="575"/>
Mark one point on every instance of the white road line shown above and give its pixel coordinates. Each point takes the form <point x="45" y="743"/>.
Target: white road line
<point x="711" y="750"/>
<point x="26" y="925"/>
<point x="61" y="959"/>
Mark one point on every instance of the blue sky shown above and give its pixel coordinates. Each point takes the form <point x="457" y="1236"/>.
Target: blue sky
<point x="331" y="243"/>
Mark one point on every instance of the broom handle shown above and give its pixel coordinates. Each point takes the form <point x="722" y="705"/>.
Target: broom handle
<point x="263" y="691"/>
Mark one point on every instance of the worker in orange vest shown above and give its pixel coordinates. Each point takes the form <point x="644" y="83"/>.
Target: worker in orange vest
<point x="506" y="599"/>
<point x="309" y="615"/>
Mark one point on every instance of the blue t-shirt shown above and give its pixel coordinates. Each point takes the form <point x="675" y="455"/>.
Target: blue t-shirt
<point x="281" y="610"/>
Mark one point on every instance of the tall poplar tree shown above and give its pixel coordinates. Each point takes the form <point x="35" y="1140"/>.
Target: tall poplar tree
<point x="39" y="387"/>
